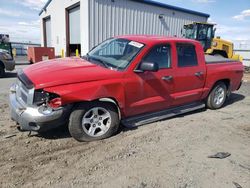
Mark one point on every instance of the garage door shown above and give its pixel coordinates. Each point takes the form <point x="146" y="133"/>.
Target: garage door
<point x="74" y="25"/>
<point x="47" y="32"/>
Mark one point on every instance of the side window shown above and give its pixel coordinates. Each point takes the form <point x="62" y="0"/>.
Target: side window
<point x="159" y="54"/>
<point x="209" y="33"/>
<point x="186" y="55"/>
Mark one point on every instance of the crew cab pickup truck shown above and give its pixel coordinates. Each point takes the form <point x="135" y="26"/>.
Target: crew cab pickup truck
<point x="131" y="80"/>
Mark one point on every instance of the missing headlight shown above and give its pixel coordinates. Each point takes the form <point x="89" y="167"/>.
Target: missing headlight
<point x="43" y="97"/>
<point x="40" y="97"/>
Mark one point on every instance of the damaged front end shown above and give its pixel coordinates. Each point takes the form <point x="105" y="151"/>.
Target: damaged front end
<point x="36" y="110"/>
<point x="47" y="102"/>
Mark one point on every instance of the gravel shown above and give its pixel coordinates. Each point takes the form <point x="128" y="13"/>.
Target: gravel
<point x="169" y="153"/>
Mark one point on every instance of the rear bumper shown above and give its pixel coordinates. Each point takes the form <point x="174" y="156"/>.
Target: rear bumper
<point x="31" y="119"/>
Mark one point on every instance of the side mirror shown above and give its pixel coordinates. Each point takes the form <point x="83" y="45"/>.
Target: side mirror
<point x="148" y="66"/>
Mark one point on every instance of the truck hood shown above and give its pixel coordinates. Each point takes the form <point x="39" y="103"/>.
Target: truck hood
<point x="67" y="71"/>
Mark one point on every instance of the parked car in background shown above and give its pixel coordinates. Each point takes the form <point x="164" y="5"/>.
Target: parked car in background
<point x="6" y="62"/>
<point x="130" y="79"/>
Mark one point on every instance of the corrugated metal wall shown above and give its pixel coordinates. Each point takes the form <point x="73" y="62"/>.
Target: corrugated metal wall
<point x="110" y="18"/>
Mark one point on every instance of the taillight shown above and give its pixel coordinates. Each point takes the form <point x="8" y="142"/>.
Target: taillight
<point x="55" y="103"/>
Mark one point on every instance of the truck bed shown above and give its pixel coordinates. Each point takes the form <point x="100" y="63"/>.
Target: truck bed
<point x="222" y="68"/>
<point x="209" y="59"/>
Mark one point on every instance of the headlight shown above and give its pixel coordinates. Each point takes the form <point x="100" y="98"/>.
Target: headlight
<point x="40" y="97"/>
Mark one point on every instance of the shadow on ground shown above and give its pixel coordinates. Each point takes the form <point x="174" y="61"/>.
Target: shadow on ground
<point x="234" y="98"/>
<point x="57" y="133"/>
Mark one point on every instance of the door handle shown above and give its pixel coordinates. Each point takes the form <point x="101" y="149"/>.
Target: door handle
<point x="198" y="74"/>
<point x="167" y="78"/>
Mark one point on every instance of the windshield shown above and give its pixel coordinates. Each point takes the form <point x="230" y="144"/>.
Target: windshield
<point x="191" y="31"/>
<point x="115" y="53"/>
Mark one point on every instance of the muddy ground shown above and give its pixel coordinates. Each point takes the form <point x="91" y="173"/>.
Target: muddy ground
<point x="171" y="153"/>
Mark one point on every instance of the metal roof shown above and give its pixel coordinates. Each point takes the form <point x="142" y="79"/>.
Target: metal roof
<point x="163" y="5"/>
<point x="45" y="6"/>
<point x="154" y="3"/>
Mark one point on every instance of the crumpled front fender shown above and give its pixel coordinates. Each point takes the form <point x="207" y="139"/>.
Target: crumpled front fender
<point x="90" y="91"/>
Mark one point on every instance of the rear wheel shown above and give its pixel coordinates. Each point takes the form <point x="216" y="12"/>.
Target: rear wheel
<point x="93" y="121"/>
<point x="217" y="96"/>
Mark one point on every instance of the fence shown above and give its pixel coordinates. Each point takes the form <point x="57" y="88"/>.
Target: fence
<point x="246" y="56"/>
<point x="243" y="48"/>
<point x="21" y="48"/>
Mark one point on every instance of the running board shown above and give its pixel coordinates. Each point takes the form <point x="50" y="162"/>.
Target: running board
<point x="139" y="120"/>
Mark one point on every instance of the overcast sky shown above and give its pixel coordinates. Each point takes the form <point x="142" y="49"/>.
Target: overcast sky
<point x="19" y="18"/>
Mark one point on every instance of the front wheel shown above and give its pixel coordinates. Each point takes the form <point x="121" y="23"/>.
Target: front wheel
<point x="217" y="96"/>
<point x="93" y="121"/>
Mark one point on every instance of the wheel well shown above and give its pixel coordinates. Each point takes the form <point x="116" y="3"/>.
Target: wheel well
<point x="106" y="99"/>
<point x="225" y="81"/>
<point x="220" y="52"/>
<point x="114" y="102"/>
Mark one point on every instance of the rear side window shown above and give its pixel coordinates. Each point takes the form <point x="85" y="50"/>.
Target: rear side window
<point x="159" y="54"/>
<point x="186" y="55"/>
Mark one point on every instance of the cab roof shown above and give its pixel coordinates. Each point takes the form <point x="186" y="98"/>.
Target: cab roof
<point x="205" y="23"/>
<point x="152" y="39"/>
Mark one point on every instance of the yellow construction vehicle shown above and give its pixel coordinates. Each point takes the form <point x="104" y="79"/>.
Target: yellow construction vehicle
<point x="205" y="33"/>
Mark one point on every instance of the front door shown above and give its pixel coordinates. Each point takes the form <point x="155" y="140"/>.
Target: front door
<point x="150" y="91"/>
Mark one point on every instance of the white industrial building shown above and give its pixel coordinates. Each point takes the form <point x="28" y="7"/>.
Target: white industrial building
<point x="242" y="47"/>
<point x="81" y="24"/>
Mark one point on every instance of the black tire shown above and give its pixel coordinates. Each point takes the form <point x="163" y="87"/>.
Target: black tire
<point x="76" y="120"/>
<point x="211" y="100"/>
<point x="2" y="71"/>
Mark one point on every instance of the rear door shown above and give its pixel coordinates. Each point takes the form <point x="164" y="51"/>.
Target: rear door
<point x="189" y="74"/>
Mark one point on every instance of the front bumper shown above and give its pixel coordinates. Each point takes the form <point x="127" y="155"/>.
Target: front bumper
<point x="9" y="64"/>
<point x="31" y="119"/>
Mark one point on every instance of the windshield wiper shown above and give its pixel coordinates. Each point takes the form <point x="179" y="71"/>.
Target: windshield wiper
<point x="86" y="57"/>
<point x="97" y="60"/>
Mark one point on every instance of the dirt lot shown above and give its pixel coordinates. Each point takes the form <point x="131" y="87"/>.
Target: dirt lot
<point x="171" y="153"/>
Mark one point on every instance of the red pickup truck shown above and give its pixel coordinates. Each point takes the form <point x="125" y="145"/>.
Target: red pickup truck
<point x="132" y="80"/>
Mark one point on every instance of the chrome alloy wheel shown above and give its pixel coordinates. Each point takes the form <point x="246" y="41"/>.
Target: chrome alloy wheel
<point x="219" y="95"/>
<point x="96" y="121"/>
